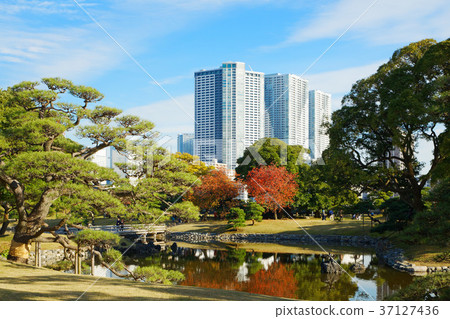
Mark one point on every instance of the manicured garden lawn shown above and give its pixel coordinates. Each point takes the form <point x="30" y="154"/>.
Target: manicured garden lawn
<point x="286" y="226"/>
<point x="424" y="254"/>
<point x="22" y="282"/>
<point x="285" y="248"/>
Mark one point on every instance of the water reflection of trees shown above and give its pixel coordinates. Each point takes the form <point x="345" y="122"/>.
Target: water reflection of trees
<point x="287" y="275"/>
<point x="313" y="285"/>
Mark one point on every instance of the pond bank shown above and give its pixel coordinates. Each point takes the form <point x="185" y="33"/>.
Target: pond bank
<point x="384" y="249"/>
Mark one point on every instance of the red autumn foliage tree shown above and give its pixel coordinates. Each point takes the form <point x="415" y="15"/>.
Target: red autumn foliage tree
<point x="216" y="191"/>
<point x="272" y="187"/>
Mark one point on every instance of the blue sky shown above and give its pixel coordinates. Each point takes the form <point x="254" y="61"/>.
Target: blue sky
<point x="173" y="38"/>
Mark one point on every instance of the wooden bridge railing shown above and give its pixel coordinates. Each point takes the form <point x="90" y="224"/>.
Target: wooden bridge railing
<point x="130" y="229"/>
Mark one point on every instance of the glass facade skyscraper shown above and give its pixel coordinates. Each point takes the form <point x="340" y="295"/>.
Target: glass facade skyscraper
<point x="185" y="143"/>
<point x="286" y="100"/>
<point x="229" y="112"/>
<point x="235" y="107"/>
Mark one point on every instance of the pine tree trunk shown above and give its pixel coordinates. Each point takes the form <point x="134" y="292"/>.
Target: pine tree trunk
<point x="19" y="251"/>
<point x="29" y="225"/>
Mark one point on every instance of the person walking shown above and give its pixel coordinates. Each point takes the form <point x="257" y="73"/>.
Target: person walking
<point x="118" y="222"/>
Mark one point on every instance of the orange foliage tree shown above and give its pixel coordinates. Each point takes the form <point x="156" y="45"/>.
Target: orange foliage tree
<point x="216" y="191"/>
<point x="272" y="187"/>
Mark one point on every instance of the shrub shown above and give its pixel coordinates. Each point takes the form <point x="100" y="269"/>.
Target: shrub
<point x="434" y="287"/>
<point x="236" y="217"/>
<point x="432" y="226"/>
<point x="253" y="212"/>
<point x="185" y="210"/>
<point x="97" y="238"/>
<point x="398" y="214"/>
<point x="62" y="265"/>
<point x="156" y="274"/>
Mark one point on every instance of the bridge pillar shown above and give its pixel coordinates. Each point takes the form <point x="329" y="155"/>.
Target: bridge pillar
<point x="144" y="239"/>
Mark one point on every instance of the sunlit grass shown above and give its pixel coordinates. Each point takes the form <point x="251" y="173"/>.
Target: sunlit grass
<point x="22" y="282"/>
<point x="284" y="226"/>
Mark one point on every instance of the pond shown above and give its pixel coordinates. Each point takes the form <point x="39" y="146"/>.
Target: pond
<point x="292" y="273"/>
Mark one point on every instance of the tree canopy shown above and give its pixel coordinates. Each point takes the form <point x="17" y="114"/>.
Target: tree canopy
<point x="376" y="132"/>
<point x="271" y="186"/>
<point x="43" y="170"/>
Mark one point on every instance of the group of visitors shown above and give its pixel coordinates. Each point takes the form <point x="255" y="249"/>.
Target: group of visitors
<point x="356" y="216"/>
<point x="332" y="215"/>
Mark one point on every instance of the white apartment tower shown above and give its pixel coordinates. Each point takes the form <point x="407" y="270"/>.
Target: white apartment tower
<point x="286" y="100"/>
<point x="229" y="112"/>
<point x="319" y="115"/>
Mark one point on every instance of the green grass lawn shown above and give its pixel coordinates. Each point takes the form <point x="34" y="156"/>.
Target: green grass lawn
<point x="285" y="248"/>
<point x="283" y="226"/>
<point x="22" y="282"/>
<point x="424" y="255"/>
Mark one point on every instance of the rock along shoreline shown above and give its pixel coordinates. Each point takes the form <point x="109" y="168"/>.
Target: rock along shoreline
<point x="384" y="249"/>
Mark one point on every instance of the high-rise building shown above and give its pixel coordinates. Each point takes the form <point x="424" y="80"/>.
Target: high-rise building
<point x="319" y="115"/>
<point x="286" y="101"/>
<point x="108" y="157"/>
<point x="229" y="112"/>
<point x="185" y="143"/>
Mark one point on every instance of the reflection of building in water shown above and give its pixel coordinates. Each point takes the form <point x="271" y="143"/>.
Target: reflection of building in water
<point x="199" y="254"/>
<point x="266" y="262"/>
<point x="210" y="253"/>
<point x="242" y="274"/>
<point x="383" y="290"/>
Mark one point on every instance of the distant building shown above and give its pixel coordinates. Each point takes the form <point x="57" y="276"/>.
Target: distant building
<point x="319" y="115"/>
<point x="286" y="101"/>
<point x="395" y="162"/>
<point x="185" y="143"/>
<point x="229" y="112"/>
<point x="107" y="157"/>
<point x="222" y="167"/>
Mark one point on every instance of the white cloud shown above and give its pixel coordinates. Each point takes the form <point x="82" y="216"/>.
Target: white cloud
<point x="36" y="6"/>
<point x="339" y="81"/>
<point x="31" y="49"/>
<point x="385" y="23"/>
<point x="169" y="118"/>
<point x="73" y="53"/>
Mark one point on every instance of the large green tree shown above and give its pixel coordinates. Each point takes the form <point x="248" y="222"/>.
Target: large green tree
<point x="376" y="132"/>
<point x="270" y="151"/>
<point x="160" y="185"/>
<point x="40" y="165"/>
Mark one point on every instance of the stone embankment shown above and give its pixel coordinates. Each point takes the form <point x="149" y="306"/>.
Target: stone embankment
<point x="385" y="251"/>
<point x="52" y="256"/>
